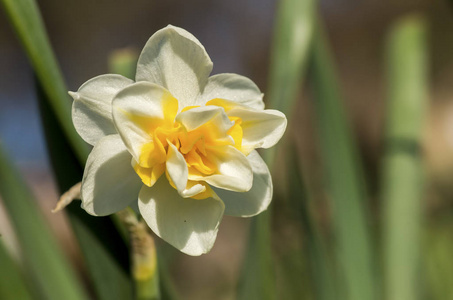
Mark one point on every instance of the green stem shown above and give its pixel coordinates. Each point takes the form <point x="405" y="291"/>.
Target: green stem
<point x="403" y="183"/>
<point x="143" y="255"/>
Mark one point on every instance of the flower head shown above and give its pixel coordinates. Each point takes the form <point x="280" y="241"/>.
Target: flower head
<point x="177" y="143"/>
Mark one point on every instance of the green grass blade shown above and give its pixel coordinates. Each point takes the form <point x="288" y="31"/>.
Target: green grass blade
<point x="167" y="288"/>
<point x="43" y="258"/>
<point x="12" y="284"/>
<point x="402" y="165"/>
<point x="342" y="170"/>
<point x="438" y="261"/>
<point x="26" y="18"/>
<point x="104" y="250"/>
<point x="257" y="280"/>
<point x="290" y="48"/>
<point x="320" y="263"/>
<point x="290" y="51"/>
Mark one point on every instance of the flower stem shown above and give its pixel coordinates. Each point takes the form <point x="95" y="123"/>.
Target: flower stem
<point x="143" y="256"/>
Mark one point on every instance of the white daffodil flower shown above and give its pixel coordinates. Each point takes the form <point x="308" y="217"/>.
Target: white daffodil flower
<point x="179" y="143"/>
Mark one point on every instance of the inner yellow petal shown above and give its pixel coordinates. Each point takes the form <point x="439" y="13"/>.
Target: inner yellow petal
<point x="149" y="176"/>
<point x="226" y="104"/>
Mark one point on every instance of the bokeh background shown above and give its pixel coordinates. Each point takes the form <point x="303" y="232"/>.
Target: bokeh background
<point x="237" y="35"/>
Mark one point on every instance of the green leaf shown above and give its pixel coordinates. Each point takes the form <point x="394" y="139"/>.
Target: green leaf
<point x="344" y="179"/>
<point x="43" y="258"/>
<point x="12" y="284"/>
<point x="322" y="273"/>
<point x="438" y="261"/>
<point x="403" y="178"/>
<point x="290" y="51"/>
<point x="26" y="18"/>
<point x="290" y="48"/>
<point x="106" y="255"/>
<point x="257" y="280"/>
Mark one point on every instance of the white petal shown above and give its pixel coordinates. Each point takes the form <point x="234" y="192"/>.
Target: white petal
<point x="136" y="111"/>
<point x="254" y="201"/>
<point x="234" y="170"/>
<point x="188" y="224"/>
<point x="261" y="129"/>
<point x="196" y="117"/>
<point x="109" y="183"/>
<point x="235" y="88"/>
<point x="177" y="168"/>
<point x="176" y="60"/>
<point x="92" y="106"/>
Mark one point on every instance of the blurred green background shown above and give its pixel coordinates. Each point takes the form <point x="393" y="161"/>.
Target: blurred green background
<point x="363" y="200"/>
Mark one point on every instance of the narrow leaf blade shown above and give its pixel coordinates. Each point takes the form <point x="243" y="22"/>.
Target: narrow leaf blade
<point x="26" y="18"/>
<point x="12" y="283"/>
<point x="43" y="257"/>
<point x="342" y="170"/>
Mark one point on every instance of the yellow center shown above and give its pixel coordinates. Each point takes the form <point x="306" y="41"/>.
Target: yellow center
<point x="199" y="146"/>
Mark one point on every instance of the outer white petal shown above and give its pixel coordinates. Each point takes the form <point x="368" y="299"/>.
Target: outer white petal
<point x="109" y="183"/>
<point x="234" y="170"/>
<point x="135" y="109"/>
<point x="188" y="224"/>
<point x="176" y="60"/>
<point x="177" y="168"/>
<point x="92" y="106"/>
<point x="235" y="88"/>
<point x="254" y="201"/>
<point x="261" y="129"/>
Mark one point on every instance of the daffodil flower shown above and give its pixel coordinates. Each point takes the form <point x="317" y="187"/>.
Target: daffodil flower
<point x="176" y="143"/>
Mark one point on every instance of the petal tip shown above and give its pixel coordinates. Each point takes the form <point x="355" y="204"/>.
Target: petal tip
<point x="74" y="95"/>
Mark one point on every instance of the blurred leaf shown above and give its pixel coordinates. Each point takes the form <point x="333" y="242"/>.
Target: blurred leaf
<point x="290" y="51"/>
<point x="316" y="254"/>
<point x="403" y="184"/>
<point x="12" y="284"/>
<point x="438" y="247"/>
<point x="167" y="287"/>
<point x="26" y="18"/>
<point x="290" y="48"/>
<point x="106" y="255"/>
<point x="344" y="179"/>
<point x="43" y="259"/>
<point x="257" y="280"/>
<point x="293" y="31"/>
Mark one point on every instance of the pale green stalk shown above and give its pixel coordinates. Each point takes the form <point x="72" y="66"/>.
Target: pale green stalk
<point x="403" y="178"/>
<point x="143" y="256"/>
